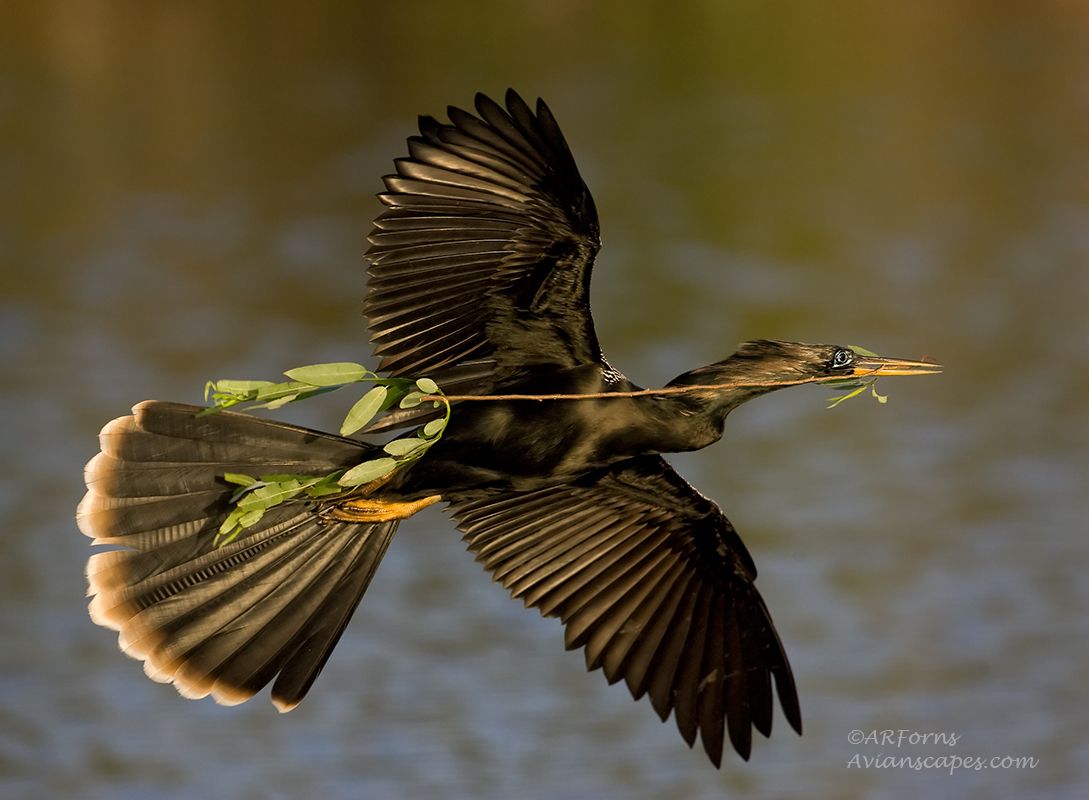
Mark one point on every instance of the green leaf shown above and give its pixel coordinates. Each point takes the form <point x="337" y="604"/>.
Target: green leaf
<point x="862" y="351"/>
<point x="411" y="400"/>
<point x="323" y="489"/>
<point x="232" y="526"/>
<point x="329" y="477"/>
<point x="251" y="518"/>
<point x="237" y="478"/>
<point x="252" y="500"/>
<point x="225" y="537"/>
<point x="231" y="521"/>
<point x="842" y="384"/>
<point x="292" y="398"/>
<point x="235" y="523"/>
<point x="233" y="387"/>
<point x="835" y="401"/>
<point x="427" y="386"/>
<point x="395" y="390"/>
<point x="276" y="493"/>
<point x="367" y="471"/>
<point x="333" y="374"/>
<point x="269" y="495"/>
<point x="881" y="398"/>
<point x="434" y="427"/>
<point x="280" y="401"/>
<point x="274" y="391"/>
<point x="402" y="447"/>
<point x="364" y="410"/>
<point x="242" y="491"/>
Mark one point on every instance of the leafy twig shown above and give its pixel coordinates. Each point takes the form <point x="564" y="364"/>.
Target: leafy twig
<point x="257" y="494"/>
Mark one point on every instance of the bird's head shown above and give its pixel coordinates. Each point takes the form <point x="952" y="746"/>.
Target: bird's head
<point x="765" y="365"/>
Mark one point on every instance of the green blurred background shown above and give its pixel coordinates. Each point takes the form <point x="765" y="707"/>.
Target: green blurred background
<point x="185" y="190"/>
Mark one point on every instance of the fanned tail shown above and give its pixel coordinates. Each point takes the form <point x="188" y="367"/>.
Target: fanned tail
<point x="221" y="621"/>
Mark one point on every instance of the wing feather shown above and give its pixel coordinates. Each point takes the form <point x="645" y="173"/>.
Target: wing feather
<point x="650" y="578"/>
<point x="485" y="249"/>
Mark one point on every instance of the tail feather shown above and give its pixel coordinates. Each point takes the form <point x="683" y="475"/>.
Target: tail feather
<point x="245" y="438"/>
<point x="221" y="621"/>
<point x="149" y="522"/>
<point x="113" y="477"/>
<point x="314" y="642"/>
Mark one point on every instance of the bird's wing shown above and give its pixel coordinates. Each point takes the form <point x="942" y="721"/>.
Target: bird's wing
<point x="485" y="250"/>
<point x="650" y="577"/>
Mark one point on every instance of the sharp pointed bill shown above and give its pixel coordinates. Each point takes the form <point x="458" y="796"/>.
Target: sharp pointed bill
<point x="878" y="367"/>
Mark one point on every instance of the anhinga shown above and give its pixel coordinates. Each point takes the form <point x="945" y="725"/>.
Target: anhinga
<point x="479" y="278"/>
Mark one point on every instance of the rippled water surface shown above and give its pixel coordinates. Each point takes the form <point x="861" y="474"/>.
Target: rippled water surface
<point x="185" y="192"/>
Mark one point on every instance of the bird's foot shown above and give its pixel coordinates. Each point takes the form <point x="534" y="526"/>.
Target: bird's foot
<point x="370" y="510"/>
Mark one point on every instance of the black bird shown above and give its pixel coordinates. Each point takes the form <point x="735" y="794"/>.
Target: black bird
<point x="479" y="278"/>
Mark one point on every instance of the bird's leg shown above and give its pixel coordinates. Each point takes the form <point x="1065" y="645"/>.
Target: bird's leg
<point x="365" y="509"/>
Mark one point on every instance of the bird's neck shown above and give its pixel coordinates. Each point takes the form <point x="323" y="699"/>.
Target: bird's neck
<point x="680" y="422"/>
<point x="717" y="389"/>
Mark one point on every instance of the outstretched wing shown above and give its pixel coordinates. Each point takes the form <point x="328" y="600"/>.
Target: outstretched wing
<point x="650" y="577"/>
<point x="485" y="251"/>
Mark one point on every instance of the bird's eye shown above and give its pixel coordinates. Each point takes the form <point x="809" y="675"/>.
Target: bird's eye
<point x="842" y="358"/>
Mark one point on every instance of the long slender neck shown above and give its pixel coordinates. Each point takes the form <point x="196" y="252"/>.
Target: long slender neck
<point x="735" y="382"/>
<point x="682" y="422"/>
<point x="676" y="423"/>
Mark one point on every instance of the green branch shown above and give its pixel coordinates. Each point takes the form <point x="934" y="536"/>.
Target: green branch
<point x="257" y="494"/>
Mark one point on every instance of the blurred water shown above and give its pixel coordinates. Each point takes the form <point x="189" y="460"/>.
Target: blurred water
<point x="184" y="193"/>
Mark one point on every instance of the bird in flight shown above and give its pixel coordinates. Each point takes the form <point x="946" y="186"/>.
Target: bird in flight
<point x="479" y="277"/>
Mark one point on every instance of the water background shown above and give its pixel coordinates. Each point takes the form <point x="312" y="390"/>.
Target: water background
<point x="184" y="194"/>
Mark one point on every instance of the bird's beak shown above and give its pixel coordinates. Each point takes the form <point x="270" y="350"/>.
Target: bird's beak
<point x="878" y="367"/>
